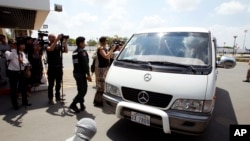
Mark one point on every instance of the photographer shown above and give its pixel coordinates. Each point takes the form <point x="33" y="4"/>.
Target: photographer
<point x="55" y="64"/>
<point x="103" y="56"/>
<point x="16" y="68"/>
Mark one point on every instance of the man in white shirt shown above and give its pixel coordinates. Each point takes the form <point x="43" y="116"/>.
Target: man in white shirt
<point x="17" y="63"/>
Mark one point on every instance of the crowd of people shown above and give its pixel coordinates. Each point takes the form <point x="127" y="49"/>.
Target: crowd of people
<point x="22" y="66"/>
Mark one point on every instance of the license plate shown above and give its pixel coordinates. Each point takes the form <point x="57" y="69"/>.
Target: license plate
<point x="140" y="118"/>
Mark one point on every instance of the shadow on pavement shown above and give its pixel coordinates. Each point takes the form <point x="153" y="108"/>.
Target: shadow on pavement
<point x="39" y="100"/>
<point x="62" y="111"/>
<point x="59" y="109"/>
<point x="218" y="129"/>
<point x="15" y="117"/>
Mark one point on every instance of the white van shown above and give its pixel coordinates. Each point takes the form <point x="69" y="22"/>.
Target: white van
<point x="166" y="78"/>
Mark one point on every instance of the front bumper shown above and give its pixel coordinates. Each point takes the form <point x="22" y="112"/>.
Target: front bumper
<point x="169" y="120"/>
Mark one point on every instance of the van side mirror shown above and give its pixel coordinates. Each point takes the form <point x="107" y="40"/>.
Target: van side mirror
<point x="226" y="62"/>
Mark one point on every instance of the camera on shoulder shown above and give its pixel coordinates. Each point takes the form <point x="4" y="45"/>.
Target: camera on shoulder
<point x="41" y="35"/>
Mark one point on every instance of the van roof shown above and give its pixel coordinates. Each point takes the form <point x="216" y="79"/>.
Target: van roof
<point x="175" y="29"/>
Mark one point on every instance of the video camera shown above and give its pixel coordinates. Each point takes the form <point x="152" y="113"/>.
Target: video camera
<point x="64" y="37"/>
<point x="42" y="34"/>
<point x="116" y="43"/>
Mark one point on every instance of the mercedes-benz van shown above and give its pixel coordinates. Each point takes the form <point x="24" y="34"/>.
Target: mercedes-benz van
<point x="166" y="78"/>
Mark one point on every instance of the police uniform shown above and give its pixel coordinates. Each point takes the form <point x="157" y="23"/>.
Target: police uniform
<point x="81" y="69"/>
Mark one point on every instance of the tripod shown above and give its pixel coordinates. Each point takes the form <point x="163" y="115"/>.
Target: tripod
<point x="62" y="94"/>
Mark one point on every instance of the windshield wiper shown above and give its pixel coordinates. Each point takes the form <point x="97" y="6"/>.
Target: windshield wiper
<point x="167" y="63"/>
<point x="141" y="63"/>
<point x="188" y="67"/>
<point x="134" y="61"/>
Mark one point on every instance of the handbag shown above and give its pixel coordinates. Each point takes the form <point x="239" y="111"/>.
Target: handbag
<point x="27" y="72"/>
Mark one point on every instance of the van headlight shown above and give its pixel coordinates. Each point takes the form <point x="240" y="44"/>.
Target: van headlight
<point x="111" y="89"/>
<point x="193" y="105"/>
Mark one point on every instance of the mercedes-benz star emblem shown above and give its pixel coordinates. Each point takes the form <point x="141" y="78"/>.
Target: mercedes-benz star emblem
<point x="147" y="77"/>
<point x="143" y="97"/>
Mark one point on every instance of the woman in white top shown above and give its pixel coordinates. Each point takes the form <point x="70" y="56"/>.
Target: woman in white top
<point x="16" y="67"/>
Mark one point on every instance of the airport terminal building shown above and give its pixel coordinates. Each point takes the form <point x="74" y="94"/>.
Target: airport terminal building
<point x="19" y="18"/>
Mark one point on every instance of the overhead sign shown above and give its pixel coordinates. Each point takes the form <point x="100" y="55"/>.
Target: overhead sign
<point x="58" y="7"/>
<point x="45" y="26"/>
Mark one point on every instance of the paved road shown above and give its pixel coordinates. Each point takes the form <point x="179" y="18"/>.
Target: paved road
<point x="42" y="122"/>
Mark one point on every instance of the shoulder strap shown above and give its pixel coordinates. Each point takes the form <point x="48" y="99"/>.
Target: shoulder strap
<point x="18" y="54"/>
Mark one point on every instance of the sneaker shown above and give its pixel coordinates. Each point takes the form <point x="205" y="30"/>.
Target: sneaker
<point x="246" y="81"/>
<point x="74" y="108"/>
<point x="59" y="99"/>
<point x="82" y="107"/>
<point x="51" y="102"/>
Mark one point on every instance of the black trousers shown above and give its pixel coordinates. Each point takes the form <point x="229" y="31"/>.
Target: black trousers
<point x="82" y="85"/>
<point x="17" y="83"/>
<point x="54" y="78"/>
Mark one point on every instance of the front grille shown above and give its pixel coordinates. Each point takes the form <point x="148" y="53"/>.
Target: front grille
<point x="155" y="99"/>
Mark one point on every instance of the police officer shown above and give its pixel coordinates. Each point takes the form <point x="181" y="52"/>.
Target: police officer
<point x="81" y="73"/>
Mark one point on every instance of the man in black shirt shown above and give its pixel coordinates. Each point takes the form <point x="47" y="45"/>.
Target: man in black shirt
<point x="81" y="73"/>
<point x="55" y="65"/>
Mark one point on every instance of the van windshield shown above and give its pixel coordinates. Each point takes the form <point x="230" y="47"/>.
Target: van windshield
<point x="187" y="48"/>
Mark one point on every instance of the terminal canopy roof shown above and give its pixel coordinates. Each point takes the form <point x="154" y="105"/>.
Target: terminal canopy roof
<point x="23" y="14"/>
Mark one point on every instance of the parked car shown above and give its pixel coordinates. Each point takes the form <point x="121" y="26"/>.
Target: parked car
<point x="166" y="78"/>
